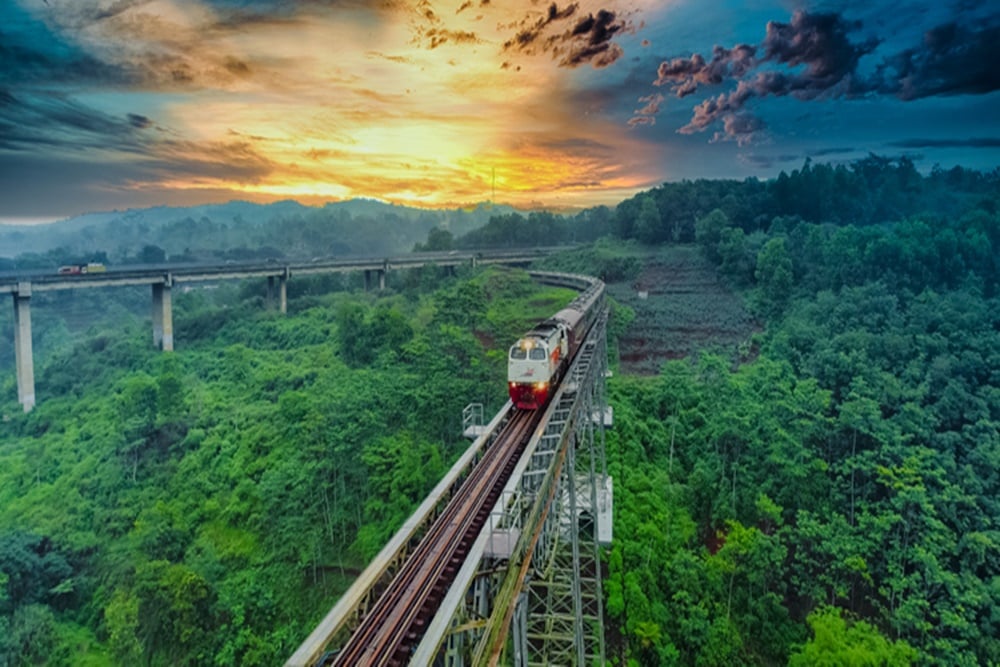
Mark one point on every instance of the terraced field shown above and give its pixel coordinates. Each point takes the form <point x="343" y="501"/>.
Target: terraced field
<point x="681" y="307"/>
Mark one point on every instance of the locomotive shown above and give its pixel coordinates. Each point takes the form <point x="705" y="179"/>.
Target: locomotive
<point x="538" y="360"/>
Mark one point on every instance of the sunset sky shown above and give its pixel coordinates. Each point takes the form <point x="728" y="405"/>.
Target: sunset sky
<point x="114" y="104"/>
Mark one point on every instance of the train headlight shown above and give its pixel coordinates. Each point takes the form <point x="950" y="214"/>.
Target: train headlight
<point x="541" y="385"/>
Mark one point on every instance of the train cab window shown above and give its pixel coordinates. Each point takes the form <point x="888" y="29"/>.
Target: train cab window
<point x="537" y="354"/>
<point x="518" y="352"/>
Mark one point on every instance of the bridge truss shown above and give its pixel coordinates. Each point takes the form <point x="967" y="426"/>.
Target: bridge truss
<point x="529" y="591"/>
<point x="533" y="596"/>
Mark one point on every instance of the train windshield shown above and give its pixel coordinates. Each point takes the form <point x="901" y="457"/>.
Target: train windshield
<point x="518" y="352"/>
<point x="537" y="354"/>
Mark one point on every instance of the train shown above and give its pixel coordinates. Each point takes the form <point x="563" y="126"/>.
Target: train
<point x="539" y="359"/>
<point x="80" y="269"/>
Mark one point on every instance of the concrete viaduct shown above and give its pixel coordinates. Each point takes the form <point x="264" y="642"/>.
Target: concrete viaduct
<point x="162" y="278"/>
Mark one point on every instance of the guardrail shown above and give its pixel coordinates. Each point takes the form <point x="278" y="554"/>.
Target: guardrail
<point x="537" y="462"/>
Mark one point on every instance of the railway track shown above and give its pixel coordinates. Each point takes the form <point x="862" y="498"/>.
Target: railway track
<point x="396" y="623"/>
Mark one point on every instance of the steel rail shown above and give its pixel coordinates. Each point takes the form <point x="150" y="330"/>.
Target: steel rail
<point x="396" y="622"/>
<point x="398" y="618"/>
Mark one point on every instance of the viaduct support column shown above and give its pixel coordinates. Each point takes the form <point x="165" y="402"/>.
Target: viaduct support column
<point x="22" y="347"/>
<point x="381" y="278"/>
<point x="163" y="318"/>
<point x="282" y="293"/>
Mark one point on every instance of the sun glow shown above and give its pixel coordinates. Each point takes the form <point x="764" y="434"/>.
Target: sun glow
<point x="402" y="103"/>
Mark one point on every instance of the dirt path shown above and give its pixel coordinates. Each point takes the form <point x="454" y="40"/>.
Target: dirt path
<point x="686" y="309"/>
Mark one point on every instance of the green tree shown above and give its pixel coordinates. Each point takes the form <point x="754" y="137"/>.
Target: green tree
<point x="137" y="408"/>
<point x="708" y="232"/>
<point x="774" y="275"/>
<point x="648" y="226"/>
<point x="836" y="643"/>
<point x="735" y="256"/>
<point x="174" y="616"/>
<point x="30" y="638"/>
<point x="152" y="254"/>
<point x="438" y="240"/>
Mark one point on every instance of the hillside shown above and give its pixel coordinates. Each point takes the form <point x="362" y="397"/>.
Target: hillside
<point x="831" y="497"/>
<point x="681" y="308"/>
<point x="285" y="228"/>
<point x="207" y="506"/>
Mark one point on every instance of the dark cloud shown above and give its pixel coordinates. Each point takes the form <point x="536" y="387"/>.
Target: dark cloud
<point x="953" y="60"/>
<point x="646" y="115"/>
<point x="822" y="152"/>
<point x="588" y="40"/>
<point x="532" y="29"/>
<point x="641" y="120"/>
<point x="768" y="161"/>
<point x="34" y="58"/>
<point x="684" y="74"/>
<point x="817" y="44"/>
<point x="114" y="9"/>
<point x="438" y="36"/>
<point x="72" y="185"/>
<point x="820" y="42"/>
<point x="33" y="121"/>
<point x="714" y="108"/>
<point x="813" y="56"/>
<point x="978" y="142"/>
<point x="739" y="127"/>
<point x="139" y="121"/>
<point x="24" y="63"/>
<point x="236" y="67"/>
<point x="240" y="19"/>
<point x="468" y="5"/>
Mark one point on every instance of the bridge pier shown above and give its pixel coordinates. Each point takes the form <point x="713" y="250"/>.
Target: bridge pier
<point x="163" y="318"/>
<point x="22" y="347"/>
<point x="368" y="279"/>
<point x="282" y="293"/>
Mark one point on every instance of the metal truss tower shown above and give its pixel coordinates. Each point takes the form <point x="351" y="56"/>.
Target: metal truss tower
<point x="528" y="592"/>
<point x="533" y="596"/>
<point x="559" y="618"/>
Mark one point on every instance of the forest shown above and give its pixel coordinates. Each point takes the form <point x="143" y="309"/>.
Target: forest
<point x="237" y="230"/>
<point x="824" y="494"/>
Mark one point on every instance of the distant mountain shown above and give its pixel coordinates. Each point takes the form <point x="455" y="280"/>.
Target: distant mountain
<point x="287" y="228"/>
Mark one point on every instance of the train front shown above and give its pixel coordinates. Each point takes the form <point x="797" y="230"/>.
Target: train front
<point x="529" y="373"/>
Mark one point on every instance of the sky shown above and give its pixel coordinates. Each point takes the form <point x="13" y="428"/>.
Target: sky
<point x="117" y="104"/>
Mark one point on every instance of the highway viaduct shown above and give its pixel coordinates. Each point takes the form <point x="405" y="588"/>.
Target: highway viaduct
<point x="162" y="278"/>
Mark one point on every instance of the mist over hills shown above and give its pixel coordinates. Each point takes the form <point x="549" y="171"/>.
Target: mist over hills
<point x="872" y="191"/>
<point x="285" y="228"/>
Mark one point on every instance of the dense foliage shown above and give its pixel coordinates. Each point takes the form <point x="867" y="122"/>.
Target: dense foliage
<point x="824" y="493"/>
<point x="206" y="506"/>
<point x="868" y="192"/>
<point x="835" y="500"/>
<point x="237" y="231"/>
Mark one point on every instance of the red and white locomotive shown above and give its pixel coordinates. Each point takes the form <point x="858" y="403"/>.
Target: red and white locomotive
<point x="537" y="361"/>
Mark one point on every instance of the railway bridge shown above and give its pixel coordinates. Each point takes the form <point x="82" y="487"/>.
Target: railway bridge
<point x="500" y="564"/>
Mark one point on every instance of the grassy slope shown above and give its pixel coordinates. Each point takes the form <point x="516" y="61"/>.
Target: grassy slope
<point x="687" y="309"/>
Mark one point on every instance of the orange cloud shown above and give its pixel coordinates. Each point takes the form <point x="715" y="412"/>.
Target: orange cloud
<point x="405" y="101"/>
